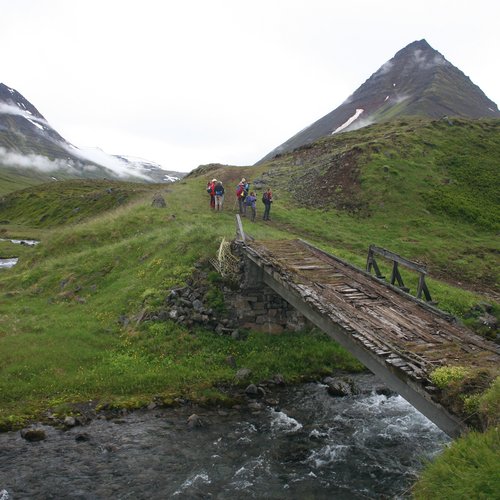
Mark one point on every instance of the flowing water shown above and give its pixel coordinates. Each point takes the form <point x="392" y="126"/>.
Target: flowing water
<point x="11" y="262"/>
<point x="311" y="446"/>
<point x="5" y="263"/>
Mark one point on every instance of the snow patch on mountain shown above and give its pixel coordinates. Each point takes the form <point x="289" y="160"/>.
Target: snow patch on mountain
<point x="355" y="116"/>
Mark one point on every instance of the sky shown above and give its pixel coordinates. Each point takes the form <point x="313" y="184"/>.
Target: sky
<point x="191" y="82"/>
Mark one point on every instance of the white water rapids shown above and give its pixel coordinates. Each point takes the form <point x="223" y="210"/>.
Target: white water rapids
<point x="310" y="446"/>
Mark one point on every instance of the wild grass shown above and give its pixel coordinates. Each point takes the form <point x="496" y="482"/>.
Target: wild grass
<point x="70" y="310"/>
<point x="468" y="469"/>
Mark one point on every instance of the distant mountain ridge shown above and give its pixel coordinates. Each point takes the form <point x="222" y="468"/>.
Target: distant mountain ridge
<point x="28" y="142"/>
<point x="417" y="81"/>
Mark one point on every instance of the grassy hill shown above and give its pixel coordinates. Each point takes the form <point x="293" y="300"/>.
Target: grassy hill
<point x="77" y="315"/>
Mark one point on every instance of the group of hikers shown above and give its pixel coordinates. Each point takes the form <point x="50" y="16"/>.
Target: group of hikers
<point x="247" y="200"/>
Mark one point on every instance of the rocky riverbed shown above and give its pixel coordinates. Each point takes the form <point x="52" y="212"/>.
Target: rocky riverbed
<point x="288" y="442"/>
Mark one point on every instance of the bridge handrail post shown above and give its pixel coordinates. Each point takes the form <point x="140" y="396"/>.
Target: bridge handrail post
<point x="396" y="275"/>
<point x="371" y="262"/>
<point x="239" y="229"/>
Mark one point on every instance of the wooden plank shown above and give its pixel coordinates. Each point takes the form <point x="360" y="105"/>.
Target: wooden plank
<point x="398" y="258"/>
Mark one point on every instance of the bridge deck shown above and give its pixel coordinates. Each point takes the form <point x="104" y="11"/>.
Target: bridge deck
<point x="405" y="332"/>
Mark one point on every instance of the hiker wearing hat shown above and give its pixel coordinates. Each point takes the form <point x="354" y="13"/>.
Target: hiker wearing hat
<point x="211" y="191"/>
<point x="219" y="196"/>
<point x="241" y="194"/>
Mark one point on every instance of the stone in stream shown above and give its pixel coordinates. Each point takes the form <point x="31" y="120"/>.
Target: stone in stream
<point x="195" y="421"/>
<point x="255" y="392"/>
<point x="339" y="387"/>
<point x="33" y="434"/>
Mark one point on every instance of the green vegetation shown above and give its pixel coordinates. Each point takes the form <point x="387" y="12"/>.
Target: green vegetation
<point x="468" y="469"/>
<point x="76" y="313"/>
<point x="444" y="375"/>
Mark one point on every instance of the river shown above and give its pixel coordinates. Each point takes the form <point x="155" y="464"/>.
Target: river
<point x="308" y="445"/>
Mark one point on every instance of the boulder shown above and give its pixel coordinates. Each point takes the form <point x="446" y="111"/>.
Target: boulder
<point x="195" y="421"/>
<point x="254" y="391"/>
<point x="158" y="201"/>
<point x="33" y="434"/>
<point x="82" y="437"/>
<point x="69" y="421"/>
<point x="243" y="373"/>
<point x="338" y="387"/>
<point x="231" y="362"/>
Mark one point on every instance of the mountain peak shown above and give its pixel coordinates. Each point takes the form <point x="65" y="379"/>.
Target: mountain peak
<point x="417" y="81"/>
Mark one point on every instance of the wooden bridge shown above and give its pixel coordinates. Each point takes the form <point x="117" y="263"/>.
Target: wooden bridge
<point x="399" y="338"/>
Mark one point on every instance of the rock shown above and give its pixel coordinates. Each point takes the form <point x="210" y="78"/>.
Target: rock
<point x="338" y="388"/>
<point x="197" y="305"/>
<point x="231" y="362"/>
<point x="195" y="421"/>
<point x="33" y="434"/>
<point x="158" y="201"/>
<point x="173" y="314"/>
<point x="278" y="379"/>
<point x="82" y="437"/>
<point x="252" y="390"/>
<point x="235" y="335"/>
<point x="152" y="405"/>
<point x="69" y="421"/>
<point x="255" y="406"/>
<point x="488" y="320"/>
<point x="385" y="391"/>
<point x="243" y="373"/>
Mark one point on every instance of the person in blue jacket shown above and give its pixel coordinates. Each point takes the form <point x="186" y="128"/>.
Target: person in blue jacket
<point x="250" y="203"/>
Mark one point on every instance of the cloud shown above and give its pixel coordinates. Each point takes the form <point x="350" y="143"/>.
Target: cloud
<point x="423" y="62"/>
<point x="385" y="68"/>
<point x="95" y="155"/>
<point x="88" y="156"/>
<point x="38" y="162"/>
<point x="360" y="123"/>
<point x="16" y="110"/>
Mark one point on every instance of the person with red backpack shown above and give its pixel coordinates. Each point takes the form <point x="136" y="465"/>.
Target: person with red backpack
<point x="211" y="191"/>
<point x="267" y="199"/>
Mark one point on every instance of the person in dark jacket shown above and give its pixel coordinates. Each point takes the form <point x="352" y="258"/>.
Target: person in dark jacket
<point x="267" y="199"/>
<point x="219" y="196"/>
<point x="240" y="195"/>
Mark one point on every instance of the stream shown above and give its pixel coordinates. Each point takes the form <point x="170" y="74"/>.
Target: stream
<point x="11" y="262"/>
<point x="308" y="445"/>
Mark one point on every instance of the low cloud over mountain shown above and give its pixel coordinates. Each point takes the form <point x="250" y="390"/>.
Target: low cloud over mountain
<point x="27" y="141"/>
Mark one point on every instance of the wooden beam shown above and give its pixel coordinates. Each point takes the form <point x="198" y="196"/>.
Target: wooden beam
<point x="397" y="258"/>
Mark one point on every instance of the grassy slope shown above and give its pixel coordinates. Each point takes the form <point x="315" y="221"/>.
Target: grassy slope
<point x="61" y="338"/>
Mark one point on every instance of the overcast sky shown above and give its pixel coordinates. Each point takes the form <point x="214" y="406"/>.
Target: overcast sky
<point x="189" y="82"/>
